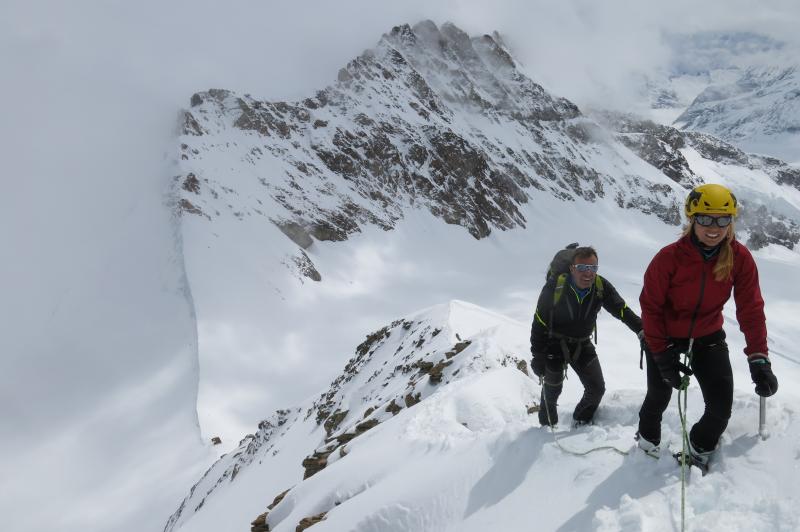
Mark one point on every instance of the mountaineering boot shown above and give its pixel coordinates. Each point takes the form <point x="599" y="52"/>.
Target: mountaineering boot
<point x="548" y="417"/>
<point x="696" y="457"/>
<point x="650" y="449"/>
<point x="577" y="423"/>
<point x="692" y="460"/>
<point x="548" y="411"/>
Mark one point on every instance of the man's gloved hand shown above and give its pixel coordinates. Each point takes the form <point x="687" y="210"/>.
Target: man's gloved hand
<point x="761" y="373"/>
<point x="538" y="363"/>
<point x="642" y="341"/>
<point x="669" y="366"/>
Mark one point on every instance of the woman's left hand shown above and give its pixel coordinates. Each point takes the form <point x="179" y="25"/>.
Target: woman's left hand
<point x="761" y="372"/>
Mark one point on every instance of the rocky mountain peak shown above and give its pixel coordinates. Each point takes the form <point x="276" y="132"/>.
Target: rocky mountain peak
<point x="430" y="118"/>
<point x="475" y="71"/>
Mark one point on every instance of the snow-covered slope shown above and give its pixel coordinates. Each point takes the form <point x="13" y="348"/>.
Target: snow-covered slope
<point x="99" y="338"/>
<point x="431" y="426"/>
<point x="294" y="223"/>
<point x="429" y="125"/>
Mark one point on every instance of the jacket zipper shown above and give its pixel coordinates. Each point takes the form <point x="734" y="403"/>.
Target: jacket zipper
<point x="699" y="302"/>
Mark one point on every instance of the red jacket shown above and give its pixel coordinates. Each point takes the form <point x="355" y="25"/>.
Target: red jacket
<point x="672" y="285"/>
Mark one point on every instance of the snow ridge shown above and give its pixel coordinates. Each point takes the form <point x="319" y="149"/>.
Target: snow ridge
<point x="465" y="452"/>
<point x="394" y="369"/>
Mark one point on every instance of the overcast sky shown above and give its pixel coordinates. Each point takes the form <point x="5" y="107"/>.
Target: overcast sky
<point x="280" y="49"/>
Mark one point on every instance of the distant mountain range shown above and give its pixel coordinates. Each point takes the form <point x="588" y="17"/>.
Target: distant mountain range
<point x="759" y="110"/>
<point x="740" y="87"/>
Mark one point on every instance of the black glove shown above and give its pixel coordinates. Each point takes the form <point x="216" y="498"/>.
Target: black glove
<point x="761" y="373"/>
<point x="538" y="363"/>
<point x="669" y="366"/>
<point x="642" y="341"/>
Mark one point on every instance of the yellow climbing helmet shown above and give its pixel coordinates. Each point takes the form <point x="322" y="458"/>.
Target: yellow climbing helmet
<point x="711" y="199"/>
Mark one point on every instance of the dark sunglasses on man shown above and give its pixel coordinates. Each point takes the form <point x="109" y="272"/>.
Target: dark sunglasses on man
<point x="707" y="221"/>
<point x="586" y="267"/>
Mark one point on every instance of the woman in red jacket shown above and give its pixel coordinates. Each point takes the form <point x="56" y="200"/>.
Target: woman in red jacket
<point x="685" y="287"/>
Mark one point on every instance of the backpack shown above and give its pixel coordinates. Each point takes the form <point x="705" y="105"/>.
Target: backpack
<point x="559" y="268"/>
<point x="561" y="261"/>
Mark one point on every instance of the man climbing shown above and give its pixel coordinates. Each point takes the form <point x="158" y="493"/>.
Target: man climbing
<point x="565" y="318"/>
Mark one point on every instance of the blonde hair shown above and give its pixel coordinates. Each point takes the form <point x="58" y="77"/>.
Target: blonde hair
<point x="724" y="267"/>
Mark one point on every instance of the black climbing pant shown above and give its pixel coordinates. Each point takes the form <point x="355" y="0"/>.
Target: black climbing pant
<point x="587" y="367"/>
<point x="712" y="370"/>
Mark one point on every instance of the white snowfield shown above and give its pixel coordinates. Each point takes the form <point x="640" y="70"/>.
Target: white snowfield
<point x="469" y="456"/>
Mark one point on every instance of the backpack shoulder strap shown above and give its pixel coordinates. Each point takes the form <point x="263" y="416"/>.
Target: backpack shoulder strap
<point x="598" y="285"/>
<point x="561" y="281"/>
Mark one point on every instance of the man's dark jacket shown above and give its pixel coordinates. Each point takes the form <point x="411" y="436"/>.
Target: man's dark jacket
<point x="574" y="318"/>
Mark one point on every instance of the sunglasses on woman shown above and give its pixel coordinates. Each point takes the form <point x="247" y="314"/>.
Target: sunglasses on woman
<point x="586" y="267"/>
<point x="707" y="221"/>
